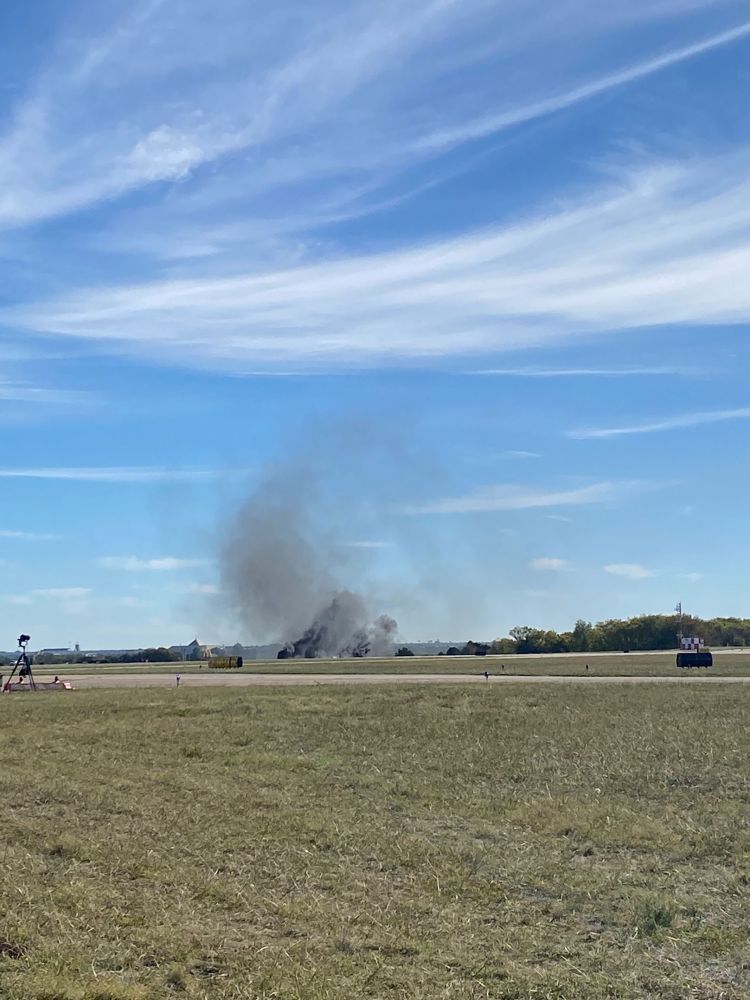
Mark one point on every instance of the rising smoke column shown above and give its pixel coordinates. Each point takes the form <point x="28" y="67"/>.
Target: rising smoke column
<point x="279" y="574"/>
<point x="341" y="629"/>
<point x="338" y="629"/>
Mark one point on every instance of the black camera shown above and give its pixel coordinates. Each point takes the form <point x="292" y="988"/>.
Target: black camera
<point x="23" y="639"/>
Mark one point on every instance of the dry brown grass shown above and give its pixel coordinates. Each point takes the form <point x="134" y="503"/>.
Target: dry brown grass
<point x="328" y="843"/>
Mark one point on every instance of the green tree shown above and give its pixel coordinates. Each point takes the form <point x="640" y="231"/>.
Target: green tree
<point x="581" y="638"/>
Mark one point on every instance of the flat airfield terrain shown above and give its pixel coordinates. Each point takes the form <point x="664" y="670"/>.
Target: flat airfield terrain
<point x="727" y="663"/>
<point x="555" y="841"/>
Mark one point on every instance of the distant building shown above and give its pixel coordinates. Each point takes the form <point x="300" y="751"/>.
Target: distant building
<point x="54" y="654"/>
<point x="196" y="651"/>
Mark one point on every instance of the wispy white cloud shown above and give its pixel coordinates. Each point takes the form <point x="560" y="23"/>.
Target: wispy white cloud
<point x="510" y="497"/>
<point x="547" y="563"/>
<point x="680" y="422"/>
<point x="368" y="545"/>
<point x="29" y="536"/>
<point x="15" y="392"/>
<point x="321" y="104"/>
<point x="519" y="453"/>
<point x="203" y="588"/>
<point x="66" y="600"/>
<point x="586" y="268"/>
<point x="135" y="564"/>
<point x="274" y="374"/>
<point x="490" y="124"/>
<point x="630" y="571"/>
<point x="259" y="91"/>
<point x="62" y="593"/>
<point x="22" y="600"/>
<point x="586" y="372"/>
<point x="110" y="474"/>
<point x="371" y="86"/>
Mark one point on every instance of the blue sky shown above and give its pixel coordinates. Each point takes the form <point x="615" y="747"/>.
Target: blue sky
<point x="482" y="269"/>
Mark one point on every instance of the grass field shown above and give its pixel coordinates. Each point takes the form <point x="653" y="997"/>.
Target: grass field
<point x="381" y="843"/>
<point x="726" y="664"/>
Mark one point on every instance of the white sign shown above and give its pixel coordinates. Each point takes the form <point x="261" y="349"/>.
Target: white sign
<point x="691" y="642"/>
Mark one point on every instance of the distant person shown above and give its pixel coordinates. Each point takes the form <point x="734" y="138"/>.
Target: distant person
<point x="587" y="668"/>
<point x="178" y="678"/>
<point x="486" y="676"/>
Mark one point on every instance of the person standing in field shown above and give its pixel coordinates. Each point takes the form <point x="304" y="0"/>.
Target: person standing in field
<point x="178" y="678"/>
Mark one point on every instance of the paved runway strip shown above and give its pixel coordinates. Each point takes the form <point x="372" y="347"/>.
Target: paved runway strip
<point x="293" y="680"/>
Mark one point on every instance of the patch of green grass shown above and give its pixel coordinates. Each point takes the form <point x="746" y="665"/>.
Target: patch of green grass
<point x="311" y="844"/>
<point x="726" y="664"/>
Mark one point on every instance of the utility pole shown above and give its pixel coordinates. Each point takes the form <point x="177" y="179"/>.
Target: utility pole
<point x="678" y="609"/>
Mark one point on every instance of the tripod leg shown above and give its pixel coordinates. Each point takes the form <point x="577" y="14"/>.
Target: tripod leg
<point x="13" y="672"/>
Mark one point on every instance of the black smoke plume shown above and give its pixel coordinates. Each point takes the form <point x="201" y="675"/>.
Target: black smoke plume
<point x="341" y="629"/>
<point x="281" y="570"/>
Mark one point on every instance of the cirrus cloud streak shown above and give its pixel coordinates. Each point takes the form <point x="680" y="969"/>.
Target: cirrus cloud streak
<point x="588" y="268"/>
<point x="506" y="497"/>
<point x="680" y="422"/>
<point x="135" y="564"/>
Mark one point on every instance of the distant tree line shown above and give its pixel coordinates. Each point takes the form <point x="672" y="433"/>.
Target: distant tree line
<point x="151" y="655"/>
<point x="616" y="634"/>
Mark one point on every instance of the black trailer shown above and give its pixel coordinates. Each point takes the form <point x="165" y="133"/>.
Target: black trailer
<point x="697" y="658"/>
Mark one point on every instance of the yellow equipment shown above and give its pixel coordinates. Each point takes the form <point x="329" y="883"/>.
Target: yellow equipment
<point x="225" y="662"/>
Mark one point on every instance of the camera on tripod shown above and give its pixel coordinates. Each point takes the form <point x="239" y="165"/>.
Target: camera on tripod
<point x="23" y="640"/>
